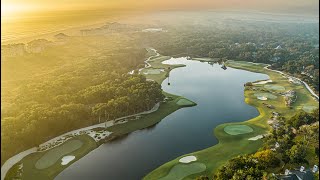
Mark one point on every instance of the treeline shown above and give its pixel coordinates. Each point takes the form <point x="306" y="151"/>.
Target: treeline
<point x="294" y="143"/>
<point x="78" y="91"/>
<point x="289" y="47"/>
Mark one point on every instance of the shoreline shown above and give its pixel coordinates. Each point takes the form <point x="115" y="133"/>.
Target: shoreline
<point x="259" y="123"/>
<point x="5" y="168"/>
<point x="18" y="157"/>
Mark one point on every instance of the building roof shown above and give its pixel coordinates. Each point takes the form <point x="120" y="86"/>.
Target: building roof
<point x="297" y="175"/>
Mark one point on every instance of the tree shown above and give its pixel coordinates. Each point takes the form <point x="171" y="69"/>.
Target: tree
<point x="202" y="178"/>
<point x="297" y="153"/>
<point x="267" y="158"/>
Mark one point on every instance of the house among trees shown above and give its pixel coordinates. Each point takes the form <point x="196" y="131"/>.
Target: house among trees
<point x="38" y="45"/>
<point x="12" y="50"/>
<point x="61" y="36"/>
<point x="108" y="28"/>
<point x="275" y="59"/>
<point x="300" y="174"/>
<point x="278" y="47"/>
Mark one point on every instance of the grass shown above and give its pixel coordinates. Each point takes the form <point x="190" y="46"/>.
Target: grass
<point x="230" y="146"/>
<point x="54" y="155"/>
<point x="156" y="63"/>
<point x="185" y="102"/>
<point x="275" y="87"/>
<point x="149" y="120"/>
<point x="237" y="129"/>
<point x="30" y="171"/>
<point x="151" y="71"/>
<point x="159" y="58"/>
<point x="309" y="109"/>
<point x="180" y="171"/>
<point x="206" y="59"/>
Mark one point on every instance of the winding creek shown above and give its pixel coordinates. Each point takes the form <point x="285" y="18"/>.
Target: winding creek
<point x="220" y="98"/>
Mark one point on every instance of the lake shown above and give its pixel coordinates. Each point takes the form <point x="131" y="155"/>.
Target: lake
<point x="220" y="97"/>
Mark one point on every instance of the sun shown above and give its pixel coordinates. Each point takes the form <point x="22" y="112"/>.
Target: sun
<point x="12" y="9"/>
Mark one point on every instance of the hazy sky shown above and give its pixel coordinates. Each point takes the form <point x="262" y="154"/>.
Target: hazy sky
<point x="15" y="6"/>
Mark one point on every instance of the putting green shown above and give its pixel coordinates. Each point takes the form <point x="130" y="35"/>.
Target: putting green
<point x="55" y="154"/>
<point x="274" y="87"/>
<point x="153" y="71"/>
<point x="237" y="129"/>
<point x="180" y="171"/>
<point x="309" y="109"/>
<point x="267" y="95"/>
<point x="185" y="102"/>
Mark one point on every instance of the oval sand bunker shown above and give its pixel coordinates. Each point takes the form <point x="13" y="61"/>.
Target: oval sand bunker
<point x="267" y="95"/>
<point x="237" y="129"/>
<point x="67" y="159"/>
<point x="187" y="159"/>
<point x="262" y="98"/>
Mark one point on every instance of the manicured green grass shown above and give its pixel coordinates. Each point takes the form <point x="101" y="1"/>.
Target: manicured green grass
<point x="206" y="59"/>
<point x="180" y="171"/>
<point x="185" y="102"/>
<point x="149" y="120"/>
<point x="309" y="109"/>
<point x="151" y="71"/>
<point x="156" y="63"/>
<point x="230" y="146"/>
<point x="55" y="154"/>
<point x="274" y="87"/>
<point x="237" y="129"/>
<point x="30" y="171"/>
<point x="159" y="58"/>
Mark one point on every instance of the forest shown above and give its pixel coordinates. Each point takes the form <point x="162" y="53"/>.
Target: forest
<point x="70" y="85"/>
<point x="76" y="81"/>
<point x="288" y="47"/>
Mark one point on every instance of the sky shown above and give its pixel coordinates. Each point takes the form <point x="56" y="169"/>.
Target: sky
<point x="14" y="7"/>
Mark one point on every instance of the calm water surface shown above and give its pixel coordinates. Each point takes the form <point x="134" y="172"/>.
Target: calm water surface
<point x="220" y="98"/>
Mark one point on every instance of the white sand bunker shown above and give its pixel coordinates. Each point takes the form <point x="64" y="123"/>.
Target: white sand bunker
<point x="187" y="159"/>
<point x="256" y="138"/>
<point x="263" y="82"/>
<point x="262" y="98"/>
<point x="266" y="95"/>
<point x="67" y="159"/>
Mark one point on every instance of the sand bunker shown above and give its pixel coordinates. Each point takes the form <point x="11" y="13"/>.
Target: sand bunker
<point x="154" y="30"/>
<point x="187" y="159"/>
<point x="256" y="138"/>
<point x="262" y="98"/>
<point x="266" y="95"/>
<point x="53" y="155"/>
<point x="308" y="109"/>
<point x="262" y="82"/>
<point x="237" y="129"/>
<point x="274" y="87"/>
<point x="67" y="159"/>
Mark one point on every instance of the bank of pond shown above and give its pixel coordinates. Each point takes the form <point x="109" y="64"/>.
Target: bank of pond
<point x="224" y="119"/>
